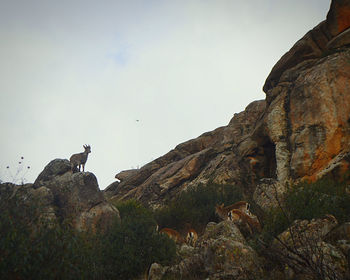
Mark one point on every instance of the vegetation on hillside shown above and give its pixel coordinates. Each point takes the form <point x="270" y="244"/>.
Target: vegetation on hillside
<point x="301" y="247"/>
<point x="308" y="201"/>
<point x="31" y="248"/>
<point x="196" y="206"/>
<point x="132" y="245"/>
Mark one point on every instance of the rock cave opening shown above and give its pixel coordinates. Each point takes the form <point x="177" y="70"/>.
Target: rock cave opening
<point x="263" y="160"/>
<point x="269" y="152"/>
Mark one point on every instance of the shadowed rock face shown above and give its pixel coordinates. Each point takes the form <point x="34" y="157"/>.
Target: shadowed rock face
<point x="300" y="132"/>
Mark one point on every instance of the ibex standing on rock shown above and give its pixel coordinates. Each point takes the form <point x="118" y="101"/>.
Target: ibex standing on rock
<point x="80" y="159"/>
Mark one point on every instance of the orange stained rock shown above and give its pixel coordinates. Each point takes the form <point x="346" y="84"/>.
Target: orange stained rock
<point x="325" y="154"/>
<point x="340" y="174"/>
<point x="343" y="17"/>
<point x="334" y="144"/>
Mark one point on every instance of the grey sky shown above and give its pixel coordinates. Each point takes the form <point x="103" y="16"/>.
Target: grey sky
<point x="82" y="72"/>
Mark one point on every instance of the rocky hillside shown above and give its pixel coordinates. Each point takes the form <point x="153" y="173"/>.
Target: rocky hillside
<point x="224" y="253"/>
<point x="301" y="131"/>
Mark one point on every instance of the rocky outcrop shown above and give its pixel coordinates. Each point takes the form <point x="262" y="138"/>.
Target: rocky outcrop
<point x="222" y="253"/>
<point x="306" y="250"/>
<point x="269" y="194"/>
<point x="301" y="131"/>
<point x="55" y="168"/>
<point x="308" y="106"/>
<point x="302" y="134"/>
<point x="308" y="121"/>
<point x="64" y="196"/>
<point x="213" y="156"/>
<point x="315" y="43"/>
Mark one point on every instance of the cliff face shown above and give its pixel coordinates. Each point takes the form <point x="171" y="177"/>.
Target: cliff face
<point x="308" y="120"/>
<point x="307" y="117"/>
<point x="212" y="156"/>
<point x="301" y="131"/>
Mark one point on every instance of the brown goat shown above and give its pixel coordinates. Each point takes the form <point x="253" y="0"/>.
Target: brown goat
<point x="173" y="234"/>
<point x="240" y="217"/>
<point x="222" y="211"/>
<point x="80" y="159"/>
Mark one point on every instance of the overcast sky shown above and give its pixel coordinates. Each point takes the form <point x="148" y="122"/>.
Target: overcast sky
<point x="132" y="78"/>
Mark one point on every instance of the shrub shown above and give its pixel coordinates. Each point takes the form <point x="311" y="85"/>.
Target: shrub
<point x="133" y="244"/>
<point x="15" y="174"/>
<point x="196" y="206"/>
<point x="309" y="201"/>
<point x="31" y="249"/>
<point x="31" y="252"/>
<point x="300" y="250"/>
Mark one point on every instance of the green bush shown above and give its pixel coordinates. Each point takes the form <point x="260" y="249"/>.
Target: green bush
<point x="196" y="206"/>
<point x="133" y="244"/>
<point x="308" y="201"/>
<point x="55" y="252"/>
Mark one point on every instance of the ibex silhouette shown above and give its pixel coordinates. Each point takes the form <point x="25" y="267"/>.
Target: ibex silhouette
<point x="80" y="159"/>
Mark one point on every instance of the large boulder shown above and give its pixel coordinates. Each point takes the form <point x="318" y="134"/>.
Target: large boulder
<point x="121" y="176"/>
<point x="76" y="196"/>
<point x="55" y="168"/>
<point x="269" y="194"/>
